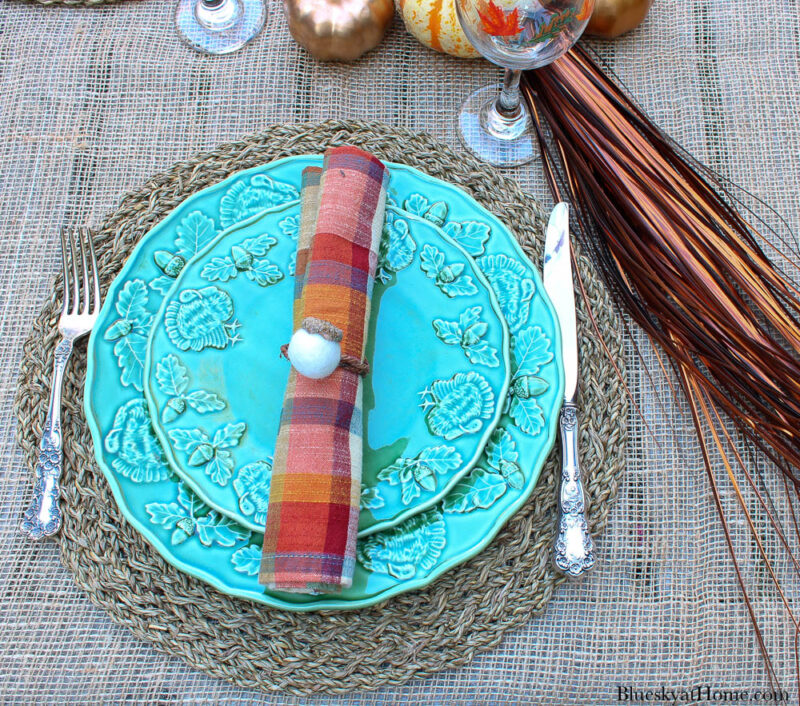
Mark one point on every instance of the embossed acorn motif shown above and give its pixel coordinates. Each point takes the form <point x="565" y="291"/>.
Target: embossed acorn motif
<point x="484" y="486"/>
<point x="130" y="331"/>
<point x="200" y="319"/>
<point x="244" y="199"/>
<point x="184" y="528"/>
<point x="458" y="406"/>
<point x="512" y="473"/>
<point x="169" y="263"/>
<point x="174" y="408"/>
<point x="451" y="279"/>
<point x="437" y="213"/>
<point x="246" y="257"/>
<point x="531" y="351"/>
<point x="502" y="456"/>
<point x="527" y="386"/>
<point x="468" y="332"/>
<point x="418" y="473"/>
<point x="172" y="378"/>
<point x="120" y="328"/>
<point x="131" y="306"/>
<point x="512" y="285"/>
<point x="190" y="516"/>
<point x="242" y="259"/>
<point x="131" y="439"/>
<point x="449" y="273"/>
<point x="193" y="233"/>
<point x="403" y="550"/>
<point x="211" y="452"/>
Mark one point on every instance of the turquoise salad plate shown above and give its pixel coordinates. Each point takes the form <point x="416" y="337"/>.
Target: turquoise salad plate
<point x="214" y="378"/>
<point x="205" y="543"/>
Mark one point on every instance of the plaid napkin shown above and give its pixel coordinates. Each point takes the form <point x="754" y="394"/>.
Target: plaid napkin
<point x="312" y="519"/>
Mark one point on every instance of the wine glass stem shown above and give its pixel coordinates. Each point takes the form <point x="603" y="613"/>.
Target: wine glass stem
<point x="509" y="100"/>
<point x="217" y="14"/>
<point x="505" y="119"/>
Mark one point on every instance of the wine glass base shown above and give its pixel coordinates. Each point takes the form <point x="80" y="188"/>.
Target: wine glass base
<point x="503" y="143"/>
<point x="206" y="40"/>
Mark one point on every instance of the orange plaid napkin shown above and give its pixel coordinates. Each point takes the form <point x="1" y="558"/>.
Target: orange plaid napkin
<point x="312" y="518"/>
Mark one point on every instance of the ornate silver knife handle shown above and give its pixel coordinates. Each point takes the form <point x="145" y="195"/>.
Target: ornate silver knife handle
<point x="43" y="516"/>
<point x="574" y="548"/>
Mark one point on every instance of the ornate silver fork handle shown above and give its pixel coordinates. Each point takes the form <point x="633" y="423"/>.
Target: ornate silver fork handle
<point x="574" y="548"/>
<point x="79" y="312"/>
<point x="43" y="516"/>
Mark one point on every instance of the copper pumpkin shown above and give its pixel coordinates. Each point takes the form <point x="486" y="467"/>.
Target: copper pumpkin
<point x="612" y="18"/>
<point x="338" y="30"/>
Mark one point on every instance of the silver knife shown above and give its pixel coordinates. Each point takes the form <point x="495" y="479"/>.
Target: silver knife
<point x="574" y="548"/>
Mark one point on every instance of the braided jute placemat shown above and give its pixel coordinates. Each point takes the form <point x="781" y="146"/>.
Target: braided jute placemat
<point x="417" y="634"/>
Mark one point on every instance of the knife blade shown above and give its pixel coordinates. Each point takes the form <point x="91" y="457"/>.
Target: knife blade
<point x="558" y="285"/>
<point x="574" y="548"/>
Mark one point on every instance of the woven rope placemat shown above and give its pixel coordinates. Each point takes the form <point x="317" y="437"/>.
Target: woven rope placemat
<point x="414" y="635"/>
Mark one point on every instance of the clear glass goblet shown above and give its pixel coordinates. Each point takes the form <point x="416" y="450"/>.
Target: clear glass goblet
<point x="517" y="35"/>
<point x="219" y="26"/>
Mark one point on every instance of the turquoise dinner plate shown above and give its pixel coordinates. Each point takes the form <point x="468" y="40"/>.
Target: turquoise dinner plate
<point x="214" y="379"/>
<point x="206" y="544"/>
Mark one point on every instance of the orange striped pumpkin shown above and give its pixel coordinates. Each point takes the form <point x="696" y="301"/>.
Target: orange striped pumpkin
<point x="435" y="24"/>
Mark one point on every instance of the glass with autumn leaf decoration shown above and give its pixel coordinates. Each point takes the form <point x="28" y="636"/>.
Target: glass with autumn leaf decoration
<point x="517" y="35"/>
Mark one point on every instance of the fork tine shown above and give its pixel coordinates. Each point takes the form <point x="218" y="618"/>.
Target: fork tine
<point x="84" y="272"/>
<point x="95" y="273"/>
<point x="64" y="271"/>
<point x="76" y="292"/>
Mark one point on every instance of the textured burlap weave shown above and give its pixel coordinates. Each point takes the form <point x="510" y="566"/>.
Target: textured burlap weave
<point x="94" y="100"/>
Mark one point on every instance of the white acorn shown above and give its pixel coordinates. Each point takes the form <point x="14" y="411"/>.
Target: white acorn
<point x="313" y="355"/>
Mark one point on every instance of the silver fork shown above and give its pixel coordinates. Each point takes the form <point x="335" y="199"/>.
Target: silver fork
<point x="43" y="516"/>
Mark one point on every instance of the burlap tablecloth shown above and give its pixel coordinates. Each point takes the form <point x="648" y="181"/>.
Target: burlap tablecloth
<point x="94" y="100"/>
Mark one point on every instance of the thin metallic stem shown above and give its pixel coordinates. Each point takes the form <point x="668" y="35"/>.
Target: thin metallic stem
<point x="509" y="100"/>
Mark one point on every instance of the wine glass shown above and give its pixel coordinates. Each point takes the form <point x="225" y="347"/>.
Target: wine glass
<point x="219" y="26"/>
<point x="517" y="35"/>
